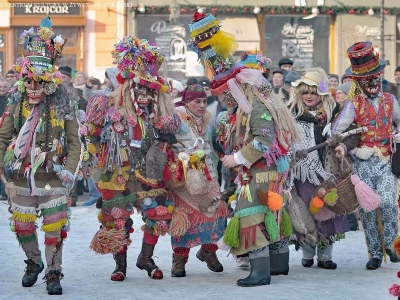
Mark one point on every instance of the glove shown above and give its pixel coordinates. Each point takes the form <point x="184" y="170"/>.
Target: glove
<point x="396" y="137"/>
<point x="362" y="153"/>
<point x="67" y="178"/>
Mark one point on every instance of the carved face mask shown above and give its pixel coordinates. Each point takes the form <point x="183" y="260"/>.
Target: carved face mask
<point x="34" y="90"/>
<point x="144" y="97"/>
<point x="229" y="101"/>
<point x="371" y="87"/>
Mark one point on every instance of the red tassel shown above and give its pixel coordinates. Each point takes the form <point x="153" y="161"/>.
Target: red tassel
<point x="167" y="173"/>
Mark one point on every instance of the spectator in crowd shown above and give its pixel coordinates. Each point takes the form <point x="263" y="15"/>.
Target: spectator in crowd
<point x="342" y="90"/>
<point x="286" y="64"/>
<point x="389" y="87"/>
<point x="177" y="88"/>
<point x="397" y="81"/>
<point x="192" y="80"/>
<point x="66" y="74"/>
<point x="5" y="86"/>
<point x="80" y="86"/>
<point x="284" y="91"/>
<point x="11" y="77"/>
<point x="346" y="79"/>
<point x="333" y="80"/>
<point x="277" y="80"/>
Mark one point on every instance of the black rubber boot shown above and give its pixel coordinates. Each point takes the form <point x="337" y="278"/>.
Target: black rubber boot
<point x="280" y="261"/>
<point x="373" y="264"/>
<point x="307" y="263"/>
<point x="178" y="266"/>
<point x="119" y="273"/>
<point x="259" y="274"/>
<point x="53" y="285"/>
<point x="146" y="262"/>
<point x="32" y="272"/>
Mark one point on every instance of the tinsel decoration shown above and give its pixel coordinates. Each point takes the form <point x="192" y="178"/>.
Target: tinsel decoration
<point x="271" y="10"/>
<point x="109" y="241"/>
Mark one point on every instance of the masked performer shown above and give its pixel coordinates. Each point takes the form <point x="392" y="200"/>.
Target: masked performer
<point x="200" y="216"/>
<point x="369" y="106"/>
<point x="40" y="121"/>
<point x="259" y="135"/>
<point x="134" y="127"/>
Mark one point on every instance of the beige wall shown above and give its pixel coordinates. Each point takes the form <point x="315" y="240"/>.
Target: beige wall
<point x="350" y="29"/>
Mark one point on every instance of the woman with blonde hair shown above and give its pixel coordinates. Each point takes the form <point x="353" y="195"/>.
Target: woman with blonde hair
<point x="313" y="108"/>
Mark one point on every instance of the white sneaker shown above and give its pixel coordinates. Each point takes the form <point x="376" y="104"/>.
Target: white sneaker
<point x="243" y="262"/>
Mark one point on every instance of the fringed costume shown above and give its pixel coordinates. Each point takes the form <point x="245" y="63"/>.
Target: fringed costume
<point x="134" y="128"/>
<point x="257" y="139"/>
<point x="44" y="153"/>
<point x="200" y="216"/>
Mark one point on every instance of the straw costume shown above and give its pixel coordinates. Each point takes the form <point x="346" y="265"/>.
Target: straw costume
<point x="40" y="121"/>
<point x="369" y="106"/>
<point x="257" y="142"/>
<point x="134" y="127"/>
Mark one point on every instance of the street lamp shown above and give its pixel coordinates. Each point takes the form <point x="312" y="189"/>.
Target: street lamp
<point x="175" y="10"/>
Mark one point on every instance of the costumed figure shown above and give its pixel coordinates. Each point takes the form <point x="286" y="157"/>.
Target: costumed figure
<point x="378" y="111"/>
<point x="257" y="140"/>
<point x="314" y="107"/>
<point x="134" y="126"/>
<point x="200" y="216"/>
<point x="40" y="121"/>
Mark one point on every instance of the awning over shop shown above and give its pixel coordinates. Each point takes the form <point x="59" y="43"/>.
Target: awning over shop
<point x="245" y="30"/>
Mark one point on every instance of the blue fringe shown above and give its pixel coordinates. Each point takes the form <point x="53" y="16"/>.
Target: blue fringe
<point x="282" y="164"/>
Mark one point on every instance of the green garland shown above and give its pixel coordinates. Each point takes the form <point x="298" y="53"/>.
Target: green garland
<point x="270" y="10"/>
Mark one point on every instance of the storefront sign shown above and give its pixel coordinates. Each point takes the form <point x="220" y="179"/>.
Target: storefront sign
<point x="306" y="42"/>
<point x="171" y="37"/>
<point x="45" y="9"/>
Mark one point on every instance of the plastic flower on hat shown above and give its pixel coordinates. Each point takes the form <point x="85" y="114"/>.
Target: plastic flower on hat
<point x="59" y="40"/>
<point x="322" y="87"/>
<point x="25" y="34"/>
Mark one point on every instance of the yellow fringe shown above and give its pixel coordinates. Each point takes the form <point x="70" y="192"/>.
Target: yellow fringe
<point x="26" y="218"/>
<point x="141" y="178"/>
<point x="54" y="226"/>
<point x="111" y="186"/>
<point x="366" y="69"/>
<point x="265" y="177"/>
<point x="151" y="193"/>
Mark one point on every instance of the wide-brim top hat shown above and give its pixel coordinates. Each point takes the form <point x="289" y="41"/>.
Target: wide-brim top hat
<point x="139" y="60"/>
<point x="365" y="62"/>
<point x="41" y="50"/>
<point x="314" y="77"/>
<point x="214" y="48"/>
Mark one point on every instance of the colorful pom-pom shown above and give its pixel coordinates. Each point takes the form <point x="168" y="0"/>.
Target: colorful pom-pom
<point x="170" y="209"/>
<point x="63" y="234"/>
<point x="275" y="201"/>
<point x="151" y="213"/>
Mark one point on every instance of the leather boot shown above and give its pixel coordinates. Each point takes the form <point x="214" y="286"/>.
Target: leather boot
<point x="32" y="272"/>
<point x="327" y="264"/>
<point x="146" y="262"/>
<point x="178" y="266"/>
<point x="211" y="259"/>
<point x="119" y="273"/>
<point x="373" y="264"/>
<point x="279" y="261"/>
<point x="53" y="285"/>
<point x="259" y="274"/>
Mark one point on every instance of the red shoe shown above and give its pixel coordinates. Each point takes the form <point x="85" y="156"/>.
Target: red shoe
<point x="119" y="276"/>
